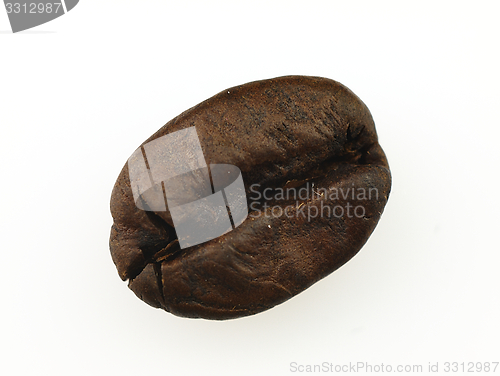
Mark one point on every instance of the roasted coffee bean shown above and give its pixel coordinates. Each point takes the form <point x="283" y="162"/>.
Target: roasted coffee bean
<point x="316" y="182"/>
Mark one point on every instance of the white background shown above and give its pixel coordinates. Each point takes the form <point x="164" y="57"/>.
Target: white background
<point x="79" y="94"/>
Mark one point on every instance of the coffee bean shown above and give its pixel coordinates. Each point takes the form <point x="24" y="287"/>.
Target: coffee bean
<point x="314" y="182"/>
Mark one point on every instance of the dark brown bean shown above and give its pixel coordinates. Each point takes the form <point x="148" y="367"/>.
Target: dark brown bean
<point x="288" y="133"/>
